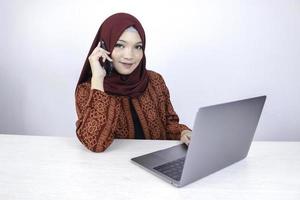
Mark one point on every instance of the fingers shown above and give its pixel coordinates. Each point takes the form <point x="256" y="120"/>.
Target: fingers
<point x="105" y="56"/>
<point x="98" y="53"/>
<point x="100" y="50"/>
<point x="186" y="139"/>
<point x="109" y="58"/>
<point x="103" y="49"/>
<point x="186" y="136"/>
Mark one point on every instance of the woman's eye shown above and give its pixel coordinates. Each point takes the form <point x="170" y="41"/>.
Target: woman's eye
<point x="139" y="47"/>
<point x="119" y="45"/>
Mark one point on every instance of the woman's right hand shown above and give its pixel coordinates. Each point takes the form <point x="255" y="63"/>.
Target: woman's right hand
<point x="98" y="71"/>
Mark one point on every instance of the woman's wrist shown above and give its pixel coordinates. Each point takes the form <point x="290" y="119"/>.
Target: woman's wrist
<point x="97" y="83"/>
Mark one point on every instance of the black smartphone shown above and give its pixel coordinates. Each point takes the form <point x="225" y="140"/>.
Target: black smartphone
<point x="108" y="66"/>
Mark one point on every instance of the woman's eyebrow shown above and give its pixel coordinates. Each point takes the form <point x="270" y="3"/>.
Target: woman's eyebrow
<point x="127" y="42"/>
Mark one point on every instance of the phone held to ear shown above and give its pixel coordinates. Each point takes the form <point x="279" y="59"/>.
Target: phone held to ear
<point x="108" y="66"/>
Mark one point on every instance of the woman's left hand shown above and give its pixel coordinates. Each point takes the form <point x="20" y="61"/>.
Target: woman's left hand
<point x="186" y="136"/>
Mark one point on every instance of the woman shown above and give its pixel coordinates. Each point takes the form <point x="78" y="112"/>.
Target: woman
<point x="127" y="100"/>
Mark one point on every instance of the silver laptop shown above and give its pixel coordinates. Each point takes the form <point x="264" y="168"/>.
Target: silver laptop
<point x="222" y="135"/>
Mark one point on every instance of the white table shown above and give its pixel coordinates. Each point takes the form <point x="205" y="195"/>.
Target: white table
<point x="42" y="167"/>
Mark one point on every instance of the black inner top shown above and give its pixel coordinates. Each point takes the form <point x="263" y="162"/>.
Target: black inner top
<point x="138" y="131"/>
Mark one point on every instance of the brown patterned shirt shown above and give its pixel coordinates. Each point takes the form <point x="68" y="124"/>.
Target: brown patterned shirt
<point x="103" y="117"/>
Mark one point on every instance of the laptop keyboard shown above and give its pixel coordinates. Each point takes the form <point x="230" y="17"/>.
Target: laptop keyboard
<point x="172" y="169"/>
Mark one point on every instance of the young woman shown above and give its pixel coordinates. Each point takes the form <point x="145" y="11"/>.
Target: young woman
<point x="116" y="96"/>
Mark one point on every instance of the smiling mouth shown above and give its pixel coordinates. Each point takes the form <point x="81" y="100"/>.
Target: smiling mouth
<point x="127" y="65"/>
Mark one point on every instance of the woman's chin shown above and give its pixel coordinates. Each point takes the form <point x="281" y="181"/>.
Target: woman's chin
<point x="125" y="71"/>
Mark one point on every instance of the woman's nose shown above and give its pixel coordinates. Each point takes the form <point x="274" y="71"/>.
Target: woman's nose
<point x="128" y="53"/>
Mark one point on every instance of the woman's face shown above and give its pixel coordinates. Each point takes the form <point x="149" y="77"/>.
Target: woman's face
<point x="128" y="52"/>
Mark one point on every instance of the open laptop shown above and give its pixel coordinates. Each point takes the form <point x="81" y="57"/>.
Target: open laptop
<point x="222" y="135"/>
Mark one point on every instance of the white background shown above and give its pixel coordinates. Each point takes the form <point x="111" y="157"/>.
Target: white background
<point x="208" y="52"/>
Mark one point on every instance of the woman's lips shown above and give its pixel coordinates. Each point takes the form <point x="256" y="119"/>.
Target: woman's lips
<point x="127" y="65"/>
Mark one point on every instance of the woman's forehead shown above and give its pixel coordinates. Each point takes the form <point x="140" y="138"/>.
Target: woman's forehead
<point x="130" y="36"/>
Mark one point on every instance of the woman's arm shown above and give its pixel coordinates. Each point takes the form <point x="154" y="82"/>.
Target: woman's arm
<point x="175" y="130"/>
<point x="97" y="113"/>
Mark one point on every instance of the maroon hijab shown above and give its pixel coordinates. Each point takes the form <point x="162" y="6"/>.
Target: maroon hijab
<point x="132" y="85"/>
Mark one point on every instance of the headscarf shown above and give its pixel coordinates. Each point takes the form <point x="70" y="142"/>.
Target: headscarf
<point x="132" y="85"/>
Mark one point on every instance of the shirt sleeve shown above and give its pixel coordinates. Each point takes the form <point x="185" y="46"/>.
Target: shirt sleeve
<point x="97" y="113"/>
<point x="173" y="127"/>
